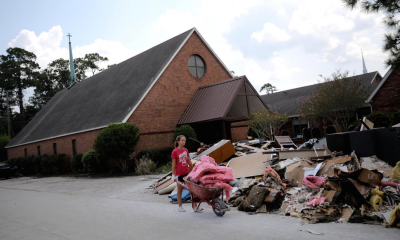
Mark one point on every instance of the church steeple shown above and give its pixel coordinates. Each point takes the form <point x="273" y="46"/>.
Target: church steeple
<point x="71" y="62"/>
<point x="363" y="62"/>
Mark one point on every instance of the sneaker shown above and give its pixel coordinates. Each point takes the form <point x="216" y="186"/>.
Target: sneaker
<point x="198" y="209"/>
<point x="181" y="209"/>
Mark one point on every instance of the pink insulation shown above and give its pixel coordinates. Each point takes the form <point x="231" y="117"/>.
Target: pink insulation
<point x="209" y="174"/>
<point x="316" y="201"/>
<point x="314" y="181"/>
<point x="275" y="174"/>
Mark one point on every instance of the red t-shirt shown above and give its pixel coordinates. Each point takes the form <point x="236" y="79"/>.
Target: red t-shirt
<point x="182" y="158"/>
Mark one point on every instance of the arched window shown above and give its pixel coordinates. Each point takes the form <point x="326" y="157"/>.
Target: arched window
<point x="197" y="66"/>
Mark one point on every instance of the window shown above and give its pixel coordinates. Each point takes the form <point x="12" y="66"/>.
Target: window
<point x="197" y="66"/>
<point x="74" y="147"/>
<point x="38" y="150"/>
<point x="299" y="125"/>
<point x="26" y="152"/>
<point x="55" y="148"/>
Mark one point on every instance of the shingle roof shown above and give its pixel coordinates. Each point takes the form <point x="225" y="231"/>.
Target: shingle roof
<point x="212" y="102"/>
<point x="109" y="96"/>
<point x="286" y="101"/>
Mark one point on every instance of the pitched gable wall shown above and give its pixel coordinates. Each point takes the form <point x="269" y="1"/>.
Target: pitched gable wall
<point x="387" y="99"/>
<point x="160" y="111"/>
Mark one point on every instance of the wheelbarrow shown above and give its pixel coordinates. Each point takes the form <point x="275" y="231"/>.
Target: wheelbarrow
<point x="212" y="196"/>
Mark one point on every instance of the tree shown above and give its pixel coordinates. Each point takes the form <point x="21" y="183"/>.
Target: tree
<point x="117" y="142"/>
<point x="266" y="124"/>
<point x="18" y="69"/>
<point x="110" y="66"/>
<point x="336" y="99"/>
<point x="269" y="88"/>
<point x="4" y="140"/>
<point x="392" y="38"/>
<point x="92" y="61"/>
<point x="189" y="134"/>
<point x="54" y="78"/>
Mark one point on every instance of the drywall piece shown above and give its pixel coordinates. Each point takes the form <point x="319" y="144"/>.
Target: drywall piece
<point x="220" y="151"/>
<point x="167" y="189"/>
<point x="249" y="165"/>
<point x="300" y="153"/>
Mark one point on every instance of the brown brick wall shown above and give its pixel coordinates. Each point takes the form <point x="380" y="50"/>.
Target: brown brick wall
<point x="160" y="110"/>
<point x="84" y="143"/>
<point x="387" y="99"/>
<point x="239" y="133"/>
<point x="164" y="105"/>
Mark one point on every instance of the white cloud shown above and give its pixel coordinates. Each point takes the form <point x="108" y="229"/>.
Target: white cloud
<point x="361" y="40"/>
<point x="284" y="77"/>
<point x="281" y="11"/>
<point x="318" y="17"/>
<point x="47" y="47"/>
<point x="271" y="33"/>
<point x="340" y="59"/>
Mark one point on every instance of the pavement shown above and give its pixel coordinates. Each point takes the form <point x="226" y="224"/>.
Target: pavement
<point x="122" y="208"/>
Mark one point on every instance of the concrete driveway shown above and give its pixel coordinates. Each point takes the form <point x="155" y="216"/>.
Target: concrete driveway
<point x="122" y="208"/>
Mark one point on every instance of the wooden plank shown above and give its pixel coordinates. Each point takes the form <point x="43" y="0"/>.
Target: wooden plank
<point x="220" y="151"/>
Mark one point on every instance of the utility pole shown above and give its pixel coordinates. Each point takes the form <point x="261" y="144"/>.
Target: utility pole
<point x="8" y="117"/>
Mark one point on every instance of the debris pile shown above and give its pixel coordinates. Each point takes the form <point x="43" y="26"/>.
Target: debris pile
<point x="315" y="185"/>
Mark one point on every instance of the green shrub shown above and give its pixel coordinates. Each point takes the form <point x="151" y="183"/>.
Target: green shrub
<point x="93" y="162"/>
<point x="4" y="140"/>
<point x="26" y="165"/>
<point x="189" y="133"/>
<point x="59" y="163"/>
<point x="47" y="164"/>
<point x="160" y="156"/>
<point x="37" y="164"/>
<point x="76" y="163"/>
<point x="166" y="168"/>
<point x="117" y="142"/>
<point x="395" y="118"/>
<point x="380" y="119"/>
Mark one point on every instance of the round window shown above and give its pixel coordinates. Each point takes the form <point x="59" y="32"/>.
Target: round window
<point x="197" y="66"/>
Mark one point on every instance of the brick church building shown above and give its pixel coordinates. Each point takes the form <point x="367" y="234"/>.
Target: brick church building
<point x="180" y="81"/>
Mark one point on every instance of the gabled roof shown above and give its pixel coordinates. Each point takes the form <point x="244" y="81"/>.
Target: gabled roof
<point x="380" y="85"/>
<point x="109" y="96"/>
<point x="213" y="102"/>
<point x="286" y="101"/>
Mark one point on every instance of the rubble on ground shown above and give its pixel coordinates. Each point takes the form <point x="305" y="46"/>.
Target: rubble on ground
<point x="315" y="185"/>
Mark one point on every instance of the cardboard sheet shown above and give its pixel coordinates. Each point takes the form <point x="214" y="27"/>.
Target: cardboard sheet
<point x="346" y="213"/>
<point x="249" y="165"/>
<point x="164" y="185"/>
<point x="297" y="172"/>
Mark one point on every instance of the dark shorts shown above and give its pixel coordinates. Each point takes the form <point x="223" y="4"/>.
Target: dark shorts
<point x="180" y="178"/>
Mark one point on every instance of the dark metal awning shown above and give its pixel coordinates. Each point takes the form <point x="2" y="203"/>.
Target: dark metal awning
<point x="230" y="100"/>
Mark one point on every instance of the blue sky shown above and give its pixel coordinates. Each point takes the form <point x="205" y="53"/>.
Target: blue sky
<point x="288" y="43"/>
